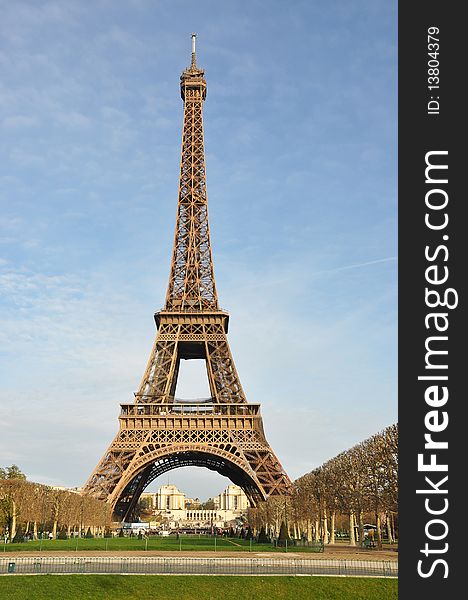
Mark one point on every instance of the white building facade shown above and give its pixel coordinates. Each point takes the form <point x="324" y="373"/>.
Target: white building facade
<point x="178" y="512"/>
<point x="233" y="499"/>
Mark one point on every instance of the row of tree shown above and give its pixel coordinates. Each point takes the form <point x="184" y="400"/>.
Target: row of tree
<point x="359" y="483"/>
<point x="28" y="508"/>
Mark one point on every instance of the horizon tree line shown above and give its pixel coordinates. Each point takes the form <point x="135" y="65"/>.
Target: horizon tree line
<point x="357" y="483"/>
<point x="29" y="508"/>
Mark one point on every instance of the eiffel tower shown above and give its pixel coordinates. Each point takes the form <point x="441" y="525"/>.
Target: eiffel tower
<point x="159" y="432"/>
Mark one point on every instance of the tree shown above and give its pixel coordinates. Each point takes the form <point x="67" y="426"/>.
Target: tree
<point x="358" y="481"/>
<point x="24" y="502"/>
<point x="12" y="472"/>
<point x="13" y="498"/>
<point x="381" y="464"/>
<point x="143" y="509"/>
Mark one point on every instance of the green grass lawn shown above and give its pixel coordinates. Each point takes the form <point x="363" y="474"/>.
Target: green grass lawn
<point x="185" y="543"/>
<point x="149" y="587"/>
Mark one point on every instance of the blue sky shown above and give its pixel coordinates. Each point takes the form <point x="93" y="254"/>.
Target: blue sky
<point x="300" y="135"/>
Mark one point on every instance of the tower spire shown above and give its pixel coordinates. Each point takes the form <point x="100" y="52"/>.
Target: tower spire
<point x="194" y="51"/>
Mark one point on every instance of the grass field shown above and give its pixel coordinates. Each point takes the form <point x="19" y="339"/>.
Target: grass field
<point x="146" y="587"/>
<point x="185" y="543"/>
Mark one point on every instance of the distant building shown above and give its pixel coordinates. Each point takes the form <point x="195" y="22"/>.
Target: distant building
<point x="181" y="512"/>
<point x="233" y="498"/>
<point x="75" y="490"/>
<point x="192" y="503"/>
<point x="168" y="497"/>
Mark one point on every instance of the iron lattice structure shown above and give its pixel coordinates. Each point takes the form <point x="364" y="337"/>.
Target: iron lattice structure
<point x="158" y="432"/>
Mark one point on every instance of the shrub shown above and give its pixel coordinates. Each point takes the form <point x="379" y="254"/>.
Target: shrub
<point x="283" y="535"/>
<point x="262" y="537"/>
<point x="19" y="536"/>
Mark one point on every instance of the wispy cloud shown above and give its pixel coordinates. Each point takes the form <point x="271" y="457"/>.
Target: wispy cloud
<point x="307" y="275"/>
<point x="358" y="265"/>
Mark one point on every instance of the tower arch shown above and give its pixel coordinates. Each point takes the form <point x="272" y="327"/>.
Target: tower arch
<point x="154" y="464"/>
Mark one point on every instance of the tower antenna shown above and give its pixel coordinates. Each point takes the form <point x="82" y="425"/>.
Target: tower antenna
<point x="194" y="54"/>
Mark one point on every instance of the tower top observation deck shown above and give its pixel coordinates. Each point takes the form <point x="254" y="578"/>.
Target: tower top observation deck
<point x="193" y="77"/>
